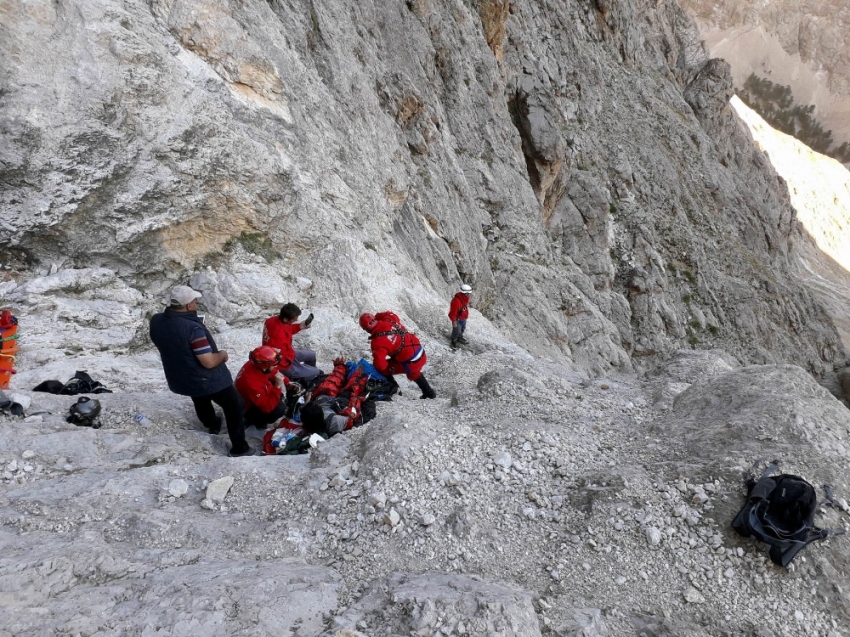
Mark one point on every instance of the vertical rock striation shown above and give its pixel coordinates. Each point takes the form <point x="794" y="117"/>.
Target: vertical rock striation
<point x="578" y="162"/>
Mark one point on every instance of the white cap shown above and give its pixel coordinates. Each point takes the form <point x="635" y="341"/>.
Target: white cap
<point x="466" y="289"/>
<point x="183" y="295"/>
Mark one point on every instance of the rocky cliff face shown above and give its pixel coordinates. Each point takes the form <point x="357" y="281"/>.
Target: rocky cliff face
<point x="577" y="162"/>
<point x="799" y="44"/>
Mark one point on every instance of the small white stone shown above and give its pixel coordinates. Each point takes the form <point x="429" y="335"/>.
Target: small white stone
<point x="693" y="596"/>
<point x="653" y="536"/>
<point x="178" y="488"/>
<point x="391" y="518"/>
<point x="218" y="489"/>
<point x="29" y="453"/>
<point x="427" y="519"/>
<point x="503" y="459"/>
<point x="699" y="498"/>
<point x="34" y="419"/>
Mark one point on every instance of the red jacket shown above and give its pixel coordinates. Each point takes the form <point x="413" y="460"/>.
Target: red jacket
<point x="393" y="347"/>
<point x="279" y="335"/>
<point x="459" y="309"/>
<point x="256" y="388"/>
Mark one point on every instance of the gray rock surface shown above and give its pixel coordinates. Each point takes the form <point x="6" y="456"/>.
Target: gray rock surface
<point x="425" y="604"/>
<point x="797" y="44"/>
<point x="556" y="542"/>
<point x="579" y="164"/>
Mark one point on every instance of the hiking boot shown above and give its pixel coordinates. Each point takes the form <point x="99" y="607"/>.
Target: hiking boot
<point x="247" y="452"/>
<point x="462" y="340"/>
<point x="454" y="344"/>
<point x="427" y="392"/>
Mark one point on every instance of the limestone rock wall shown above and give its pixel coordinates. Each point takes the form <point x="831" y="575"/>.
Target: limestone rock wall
<point x="577" y="162"/>
<point x="797" y="44"/>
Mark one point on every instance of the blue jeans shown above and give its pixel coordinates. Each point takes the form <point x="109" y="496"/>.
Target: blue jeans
<point x="303" y="367"/>
<point x="458" y="331"/>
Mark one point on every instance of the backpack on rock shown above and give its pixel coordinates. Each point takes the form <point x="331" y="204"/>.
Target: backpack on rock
<point x="780" y="511"/>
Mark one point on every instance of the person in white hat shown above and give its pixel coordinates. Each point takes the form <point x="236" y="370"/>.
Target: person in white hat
<point x="458" y="313"/>
<point x="195" y="367"/>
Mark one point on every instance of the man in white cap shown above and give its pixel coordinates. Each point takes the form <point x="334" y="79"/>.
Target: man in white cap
<point x="195" y="367"/>
<point x="458" y="313"/>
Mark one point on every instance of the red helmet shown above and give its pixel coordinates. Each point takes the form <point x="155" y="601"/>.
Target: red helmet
<point x="367" y="321"/>
<point x="265" y="357"/>
<point x="6" y="319"/>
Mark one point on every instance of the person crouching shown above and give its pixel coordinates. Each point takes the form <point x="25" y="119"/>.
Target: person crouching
<point x="263" y="388"/>
<point x="395" y="350"/>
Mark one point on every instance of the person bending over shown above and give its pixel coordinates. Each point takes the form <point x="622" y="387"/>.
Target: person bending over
<point x="395" y="350"/>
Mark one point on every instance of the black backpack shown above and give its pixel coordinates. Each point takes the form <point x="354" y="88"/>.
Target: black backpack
<point x="780" y="511"/>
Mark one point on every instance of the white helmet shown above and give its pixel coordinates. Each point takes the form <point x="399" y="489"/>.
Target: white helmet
<point x="466" y="289"/>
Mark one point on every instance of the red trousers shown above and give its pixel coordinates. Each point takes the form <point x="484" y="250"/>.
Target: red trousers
<point x="411" y="370"/>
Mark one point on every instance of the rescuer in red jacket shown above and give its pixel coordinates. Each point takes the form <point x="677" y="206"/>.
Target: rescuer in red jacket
<point x="395" y="350"/>
<point x="278" y="332"/>
<point x="458" y="313"/>
<point x="262" y="387"/>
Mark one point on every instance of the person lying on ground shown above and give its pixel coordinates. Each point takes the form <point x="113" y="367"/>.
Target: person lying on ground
<point x="263" y="388"/>
<point x="396" y="350"/>
<point x="195" y="367"/>
<point x="319" y="417"/>
<point x="295" y="364"/>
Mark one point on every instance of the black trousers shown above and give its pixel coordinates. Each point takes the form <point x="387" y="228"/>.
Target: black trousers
<point x="231" y="403"/>
<point x="261" y="419"/>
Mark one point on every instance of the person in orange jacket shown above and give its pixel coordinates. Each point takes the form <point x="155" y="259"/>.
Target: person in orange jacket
<point x="262" y="387"/>
<point x="458" y="313"/>
<point x="278" y="332"/>
<point x="395" y="350"/>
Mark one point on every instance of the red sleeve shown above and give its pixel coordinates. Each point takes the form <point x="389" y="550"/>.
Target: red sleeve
<point x="454" y="308"/>
<point x="379" y="358"/>
<point x="266" y="336"/>
<point x="257" y="389"/>
<point x="267" y="398"/>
